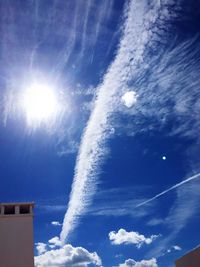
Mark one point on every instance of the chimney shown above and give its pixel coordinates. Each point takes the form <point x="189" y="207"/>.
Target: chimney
<point x="16" y="235"/>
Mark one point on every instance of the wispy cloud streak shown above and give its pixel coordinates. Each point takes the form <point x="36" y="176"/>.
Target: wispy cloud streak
<point x="169" y="189"/>
<point x="85" y="24"/>
<point x="91" y="33"/>
<point x="139" y="32"/>
<point x="71" y="40"/>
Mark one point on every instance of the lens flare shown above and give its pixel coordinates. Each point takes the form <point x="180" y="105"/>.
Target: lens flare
<point x="39" y="102"/>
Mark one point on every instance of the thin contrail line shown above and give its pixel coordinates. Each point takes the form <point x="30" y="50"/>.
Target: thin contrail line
<point x="169" y="189"/>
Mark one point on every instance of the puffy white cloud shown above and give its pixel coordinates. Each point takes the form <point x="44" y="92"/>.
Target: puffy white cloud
<point x="129" y="99"/>
<point x="68" y="256"/>
<point x="172" y="249"/>
<point x="124" y="237"/>
<point x="56" y="223"/>
<point x="55" y="241"/>
<point x="41" y="248"/>
<point x="144" y="263"/>
<point x="177" y="247"/>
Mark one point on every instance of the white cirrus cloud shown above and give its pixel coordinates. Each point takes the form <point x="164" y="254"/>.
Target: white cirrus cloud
<point x="143" y="263"/>
<point x="155" y="221"/>
<point x="106" y="202"/>
<point x="68" y="256"/>
<point x="129" y="99"/>
<point x="141" y="32"/>
<point x="124" y="237"/>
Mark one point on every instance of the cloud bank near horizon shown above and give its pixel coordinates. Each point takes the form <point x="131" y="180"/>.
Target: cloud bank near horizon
<point x="143" y="263"/>
<point x="67" y="256"/>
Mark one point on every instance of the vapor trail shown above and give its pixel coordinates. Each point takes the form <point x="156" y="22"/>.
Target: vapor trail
<point x="140" y="32"/>
<point x="169" y="189"/>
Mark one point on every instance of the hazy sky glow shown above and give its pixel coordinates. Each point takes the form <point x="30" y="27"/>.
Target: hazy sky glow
<point x="100" y="107"/>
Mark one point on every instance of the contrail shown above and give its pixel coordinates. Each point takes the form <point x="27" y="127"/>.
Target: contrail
<point x="139" y="32"/>
<point x="169" y="189"/>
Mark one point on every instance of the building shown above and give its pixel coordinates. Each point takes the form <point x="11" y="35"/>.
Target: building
<point x="16" y="235"/>
<point x="191" y="259"/>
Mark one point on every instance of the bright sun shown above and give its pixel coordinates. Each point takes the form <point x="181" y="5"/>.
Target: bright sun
<point x="40" y="103"/>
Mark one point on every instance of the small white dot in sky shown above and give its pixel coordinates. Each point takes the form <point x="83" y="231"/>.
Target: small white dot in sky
<point x="164" y="158"/>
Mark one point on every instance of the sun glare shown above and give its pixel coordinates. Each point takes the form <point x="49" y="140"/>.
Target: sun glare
<point x="39" y="102"/>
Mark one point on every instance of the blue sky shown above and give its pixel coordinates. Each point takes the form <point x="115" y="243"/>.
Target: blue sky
<point x="100" y="108"/>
